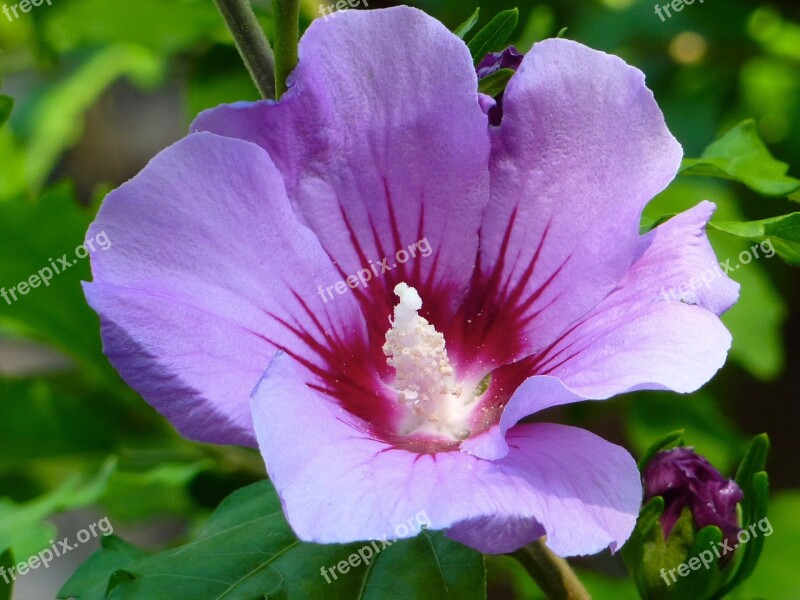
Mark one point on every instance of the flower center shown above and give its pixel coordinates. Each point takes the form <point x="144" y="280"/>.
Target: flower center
<point x="425" y="381"/>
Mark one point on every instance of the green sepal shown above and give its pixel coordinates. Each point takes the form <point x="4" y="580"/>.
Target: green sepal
<point x="669" y="441"/>
<point x="633" y="550"/>
<point x="495" y="84"/>
<point x="701" y="582"/>
<point x="754" y="461"/>
<point x="495" y="35"/>
<point x="758" y="493"/>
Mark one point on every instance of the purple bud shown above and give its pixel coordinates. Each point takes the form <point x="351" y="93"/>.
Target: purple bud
<point x="684" y="478"/>
<point x="509" y="58"/>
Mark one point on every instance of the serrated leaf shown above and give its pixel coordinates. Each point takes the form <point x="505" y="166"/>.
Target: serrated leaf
<point x="6" y="105"/>
<point x="90" y="581"/>
<point x="467" y="26"/>
<point x="248" y="550"/>
<point x="495" y="35"/>
<point x="740" y="155"/>
<point x="495" y="84"/>
<point x="782" y="232"/>
<point x="670" y="440"/>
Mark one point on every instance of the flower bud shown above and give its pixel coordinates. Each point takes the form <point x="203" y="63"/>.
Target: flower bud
<point x="699" y="534"/>
<point x="686" y="479"/>
<point x="509" y="58"/>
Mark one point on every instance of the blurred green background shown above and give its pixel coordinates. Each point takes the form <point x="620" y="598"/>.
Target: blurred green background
<point x="100" y="86"/>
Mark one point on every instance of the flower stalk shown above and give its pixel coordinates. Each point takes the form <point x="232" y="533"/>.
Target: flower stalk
<point x="251" y="42"/>
<point x="287" y="36"/>
<point x="551" y="573"/>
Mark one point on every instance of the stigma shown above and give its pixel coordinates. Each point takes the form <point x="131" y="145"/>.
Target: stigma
<point x="425" y="381"/>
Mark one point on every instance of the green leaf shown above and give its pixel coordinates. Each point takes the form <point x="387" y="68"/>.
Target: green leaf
<point x="783" y="233"/>
<point x="164" y="27"/>
<point x="467" y="26"/>
<point x="56" y="313"/>
<point x="671" y="440"/>
<point x="495" y="84"/>
<point x="54" y="121"/>
<point x="6" y="105"/>
<point x="6" y="562"/>
<point x="740" y="155"/>
<point x="21" y="525"/>
<point x="247" y="550"/>
<point x="90" y="581"/>
<point x="495" y="35"/>
<point x="43" y="422"/>
<point x="162" y="490"/>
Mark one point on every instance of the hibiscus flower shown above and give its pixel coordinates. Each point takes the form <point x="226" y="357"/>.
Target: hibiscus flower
<point x="405" y="393"/>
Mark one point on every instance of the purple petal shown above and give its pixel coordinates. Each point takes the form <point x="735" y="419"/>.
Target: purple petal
<point x="380" y="147"/>
<point x="342" y="484"/>
<point x="208" y="274"/>
<point x="638" y="339"/>
<point x="581" y="149"/>
<point x="678" y="264"/>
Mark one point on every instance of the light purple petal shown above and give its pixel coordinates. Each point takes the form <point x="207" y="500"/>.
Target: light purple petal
<point x="342" y="485"/>
<point x="678" y="264"/>
<point x="581" y="149"/>
<point x="208" y="273"/>
<point x="382" y="142"/>
<point x="638" y="337"/>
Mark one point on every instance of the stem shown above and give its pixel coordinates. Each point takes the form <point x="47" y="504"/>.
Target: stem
<point x="287" y="36"/>
<point x="551" y="572"/>
<point x="251" y="43"/>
